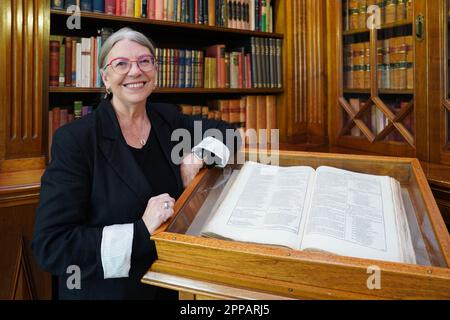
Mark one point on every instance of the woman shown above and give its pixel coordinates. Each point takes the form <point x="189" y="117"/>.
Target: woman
<point x="112" y="182"/>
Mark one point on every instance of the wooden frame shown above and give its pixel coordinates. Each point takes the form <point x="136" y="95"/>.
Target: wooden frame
<point x="299" y="274"/>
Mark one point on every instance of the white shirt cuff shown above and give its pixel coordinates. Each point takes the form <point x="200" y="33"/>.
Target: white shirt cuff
<point x="116" y="247"/>
<point x="215" y="146"/>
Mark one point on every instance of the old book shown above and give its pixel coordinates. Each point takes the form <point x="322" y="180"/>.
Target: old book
<point x="327" y="209"/>
<point x="54" y="63"/>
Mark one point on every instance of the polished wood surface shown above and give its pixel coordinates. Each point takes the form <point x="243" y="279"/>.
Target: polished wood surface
<point x="303" y="274"/>
<point x="22" y="52"/>
<point x="201" y="290"/>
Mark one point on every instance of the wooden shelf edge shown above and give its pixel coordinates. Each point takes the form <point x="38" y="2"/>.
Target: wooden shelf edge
<point x="383" y="27"/>
<point x="183" y="25"/>
<point x="170" y="90"/>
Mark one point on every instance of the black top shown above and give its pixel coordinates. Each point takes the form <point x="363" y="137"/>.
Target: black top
<point x="155" y="167"/>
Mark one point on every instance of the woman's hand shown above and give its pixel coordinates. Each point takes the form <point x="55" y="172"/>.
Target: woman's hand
<point x="189" y="168"/>
<point x="157" y="212"/>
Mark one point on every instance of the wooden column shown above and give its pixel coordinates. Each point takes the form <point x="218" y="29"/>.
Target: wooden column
<point x="302" y="113"/>
<point x="24" y="40"/>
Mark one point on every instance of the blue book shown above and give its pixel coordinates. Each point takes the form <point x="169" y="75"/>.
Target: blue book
<point x="57" y="4"/>
<point x="69" y="3"/>
<point x="86" y="5"/>
<point x="191" y="11"/>
<point x="181" y="68"/>
<point x="98" y="6"/>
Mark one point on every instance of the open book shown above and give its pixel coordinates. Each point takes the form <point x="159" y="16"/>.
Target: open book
<point x="326" y="209"/>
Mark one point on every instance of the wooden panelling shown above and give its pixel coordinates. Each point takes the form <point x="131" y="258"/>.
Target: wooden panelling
<point x="303" y="114"/>
<point x="316" y="72"/>
<point x="19" y="221"/>
<point x="22" y="55"/>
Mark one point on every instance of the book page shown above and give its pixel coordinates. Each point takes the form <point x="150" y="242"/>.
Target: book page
<point x="265" y="204"/>
<point x="352" y="214"/>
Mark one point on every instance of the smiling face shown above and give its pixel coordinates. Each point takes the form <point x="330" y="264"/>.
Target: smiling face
<point x="135" y="86"/>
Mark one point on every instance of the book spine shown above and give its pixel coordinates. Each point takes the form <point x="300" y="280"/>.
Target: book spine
<point x="54" y="63"/>
<point x="110" y="6"/>
<point x="137" y="8"/>
<point x="118" y="7"/>
<point x="98" y="6"/>
<point x="62" y="61"/>
<point x="86" y="5"/>
<point x="144" y="10"/>
<point x="151" y="9"/>
<point x="68" y="62"/>
<point x="69" y="3"/>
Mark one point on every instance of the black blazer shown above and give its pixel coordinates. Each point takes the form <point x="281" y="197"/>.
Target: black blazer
<point x="93" y="181"/>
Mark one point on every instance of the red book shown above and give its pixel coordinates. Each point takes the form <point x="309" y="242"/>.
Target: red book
<point x="63" y="117"/>
<point x="54" y="63"/>
<point x="248" y="71"/>
<point x="110" y="6"/>
<point x="196" y="11"/>
<point x="118" y="7"/>
<point x="240" y="67"/>
<point x="151" y="9"/>
<point x="68" y="62"/>
<point x="56" y="119"/>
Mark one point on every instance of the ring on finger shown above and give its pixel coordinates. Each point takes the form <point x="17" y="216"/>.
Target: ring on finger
<point x="166" y="205"/>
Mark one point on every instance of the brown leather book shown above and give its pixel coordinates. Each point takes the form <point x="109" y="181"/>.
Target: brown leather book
<point x="54" y="63"/>
<point x="68" y="62"/>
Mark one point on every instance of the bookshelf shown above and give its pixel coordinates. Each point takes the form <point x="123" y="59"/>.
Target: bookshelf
<point x="174" y="36"/>
<point x="376" y="111"/>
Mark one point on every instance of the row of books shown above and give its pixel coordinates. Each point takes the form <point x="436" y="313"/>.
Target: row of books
<point x="390" y="50"/>
<point x="394" y="76"/>
<point x="256" y="15"/>
<point x="258" y="113"/>
<point x="74" y="63"/>
<point x="395" y="64"/>
<point x="356" y="15"/>
<point x="59" y="116"/>
<point x="376" y="120"/>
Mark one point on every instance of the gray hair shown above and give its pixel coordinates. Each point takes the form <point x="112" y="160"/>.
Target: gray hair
<point x="124" y="34"/>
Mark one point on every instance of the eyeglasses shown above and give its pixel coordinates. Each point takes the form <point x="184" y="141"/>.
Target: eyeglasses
<point x="123" y="65"/>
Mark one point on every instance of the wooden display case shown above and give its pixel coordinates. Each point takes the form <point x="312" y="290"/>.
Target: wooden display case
<point x="215" y="268"/>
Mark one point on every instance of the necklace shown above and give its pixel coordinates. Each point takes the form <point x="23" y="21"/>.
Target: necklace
<point x="140" y="137"/>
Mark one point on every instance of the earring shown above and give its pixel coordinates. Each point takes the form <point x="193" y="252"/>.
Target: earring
<point x="108" y="93"/>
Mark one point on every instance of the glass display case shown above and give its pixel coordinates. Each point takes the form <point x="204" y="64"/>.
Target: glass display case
<point x="183" y="252"/>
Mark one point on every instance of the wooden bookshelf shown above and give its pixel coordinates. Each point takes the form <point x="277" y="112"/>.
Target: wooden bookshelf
<point x="101" y="18"/>
<point x="165" y="35"/>
<point x="381" y="111"/>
